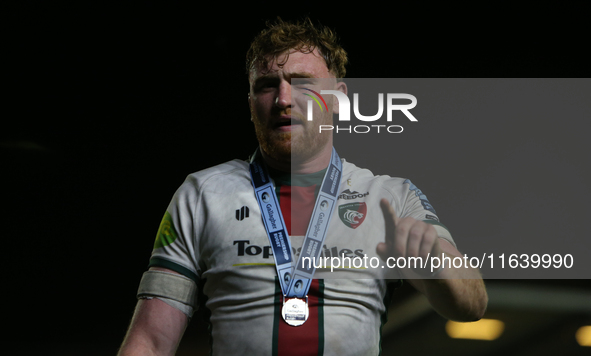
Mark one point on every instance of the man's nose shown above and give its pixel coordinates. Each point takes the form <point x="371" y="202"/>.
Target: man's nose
<point x="283" y="99"/>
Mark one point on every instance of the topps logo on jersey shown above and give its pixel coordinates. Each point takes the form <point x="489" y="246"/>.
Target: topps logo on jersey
<point x="245" y="248"/>
<point x="347" y="194"/>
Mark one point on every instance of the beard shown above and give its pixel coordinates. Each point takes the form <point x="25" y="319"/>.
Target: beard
<point x="305" y="144"/>
<point x="275" y="144"/>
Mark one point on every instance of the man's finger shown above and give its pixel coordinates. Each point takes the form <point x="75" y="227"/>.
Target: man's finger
<point x="391" y="220"/>
<point x="389" y="213"/>
<point x="382" y="251"/>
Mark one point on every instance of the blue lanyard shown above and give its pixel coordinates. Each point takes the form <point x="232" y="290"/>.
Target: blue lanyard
<point x="296" y="281"/>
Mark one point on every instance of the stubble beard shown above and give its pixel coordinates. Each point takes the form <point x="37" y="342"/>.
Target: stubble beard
<point x="282" y="147"/>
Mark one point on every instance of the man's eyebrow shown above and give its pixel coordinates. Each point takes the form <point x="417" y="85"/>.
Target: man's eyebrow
<point x="289" y="75"/>
<point x="273" y="77"/>
<point x="266" y="79"/>
<point x="300" y="75"/>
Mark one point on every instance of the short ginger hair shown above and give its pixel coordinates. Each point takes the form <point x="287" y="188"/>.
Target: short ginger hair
<point x="303" y="36"/>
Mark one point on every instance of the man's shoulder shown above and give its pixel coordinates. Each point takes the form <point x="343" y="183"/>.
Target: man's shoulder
<point x="222" y="169"/>
<point x="351" y="171"/>
<point x="220" y="175"/>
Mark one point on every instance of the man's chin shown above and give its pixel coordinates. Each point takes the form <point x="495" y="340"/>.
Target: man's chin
<point x="288" y="152"/>
<point x="280" y="151"/>
<point x="286" y="149"/>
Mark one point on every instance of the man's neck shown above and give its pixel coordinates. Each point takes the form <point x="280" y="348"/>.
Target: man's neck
<point x="311" y="165"/>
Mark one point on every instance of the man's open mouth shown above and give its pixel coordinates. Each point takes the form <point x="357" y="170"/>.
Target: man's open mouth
<point x="288" y="122"/>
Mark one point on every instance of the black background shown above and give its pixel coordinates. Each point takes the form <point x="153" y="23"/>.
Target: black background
<point x="107" y="108"/>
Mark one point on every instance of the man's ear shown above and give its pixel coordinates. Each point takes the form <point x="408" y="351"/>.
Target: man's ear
<point x="250" y="107"/>
<point x="340" y="86"/>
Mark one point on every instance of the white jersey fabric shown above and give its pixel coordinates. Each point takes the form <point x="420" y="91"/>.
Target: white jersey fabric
<point x="212" y="232"/>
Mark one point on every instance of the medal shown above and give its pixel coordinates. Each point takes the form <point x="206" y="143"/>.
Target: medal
<point x="295" y="311"/>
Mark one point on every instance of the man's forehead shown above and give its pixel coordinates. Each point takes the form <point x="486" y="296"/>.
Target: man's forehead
<point x="293" y="64"/>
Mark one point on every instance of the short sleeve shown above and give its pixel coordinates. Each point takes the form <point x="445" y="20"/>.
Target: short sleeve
<point x="418" y="207"/>
<point x="176" y="247"/>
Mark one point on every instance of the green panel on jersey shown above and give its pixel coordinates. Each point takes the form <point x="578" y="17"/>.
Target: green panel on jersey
<point x="166" y="233"/>
<point x="164" y="263"/>
<point x="299" y="180"/>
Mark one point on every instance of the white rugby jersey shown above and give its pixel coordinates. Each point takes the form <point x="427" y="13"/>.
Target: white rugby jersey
<point x="213" y="233"/>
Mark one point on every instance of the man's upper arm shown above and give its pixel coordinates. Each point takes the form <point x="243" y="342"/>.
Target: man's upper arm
<point x="156" y="328"/>
<point x="168" y="291"/>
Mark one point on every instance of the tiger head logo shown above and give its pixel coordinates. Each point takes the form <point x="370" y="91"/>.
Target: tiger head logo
<point x="353" y="214"/>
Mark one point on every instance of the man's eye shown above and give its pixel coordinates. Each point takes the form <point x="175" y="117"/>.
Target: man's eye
<point x="265" y="86"/>
<point x="304" y="83"/>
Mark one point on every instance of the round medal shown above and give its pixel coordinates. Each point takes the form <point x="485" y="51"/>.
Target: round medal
<point x="295" y="311"/>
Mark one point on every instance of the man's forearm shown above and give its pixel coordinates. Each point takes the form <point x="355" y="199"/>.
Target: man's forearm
<point x="455" y="298"/>
<point x="156" y="329"/>
<point x="457" y="293"/>
<point x="135" y="348"/>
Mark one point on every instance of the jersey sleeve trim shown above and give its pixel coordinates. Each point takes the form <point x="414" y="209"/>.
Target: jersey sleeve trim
<point x="164" y="263"/>
<point x="434" y="222"/>
<point x="442" y="231"/>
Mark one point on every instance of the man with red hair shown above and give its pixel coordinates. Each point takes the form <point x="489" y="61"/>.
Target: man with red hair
<point x="239" y="266"/>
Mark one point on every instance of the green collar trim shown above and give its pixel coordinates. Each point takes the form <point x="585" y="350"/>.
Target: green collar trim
<point x="284" y="178"/>
<point x="299" y="180"/>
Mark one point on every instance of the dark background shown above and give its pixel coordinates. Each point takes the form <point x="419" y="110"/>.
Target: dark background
<point x="107" y="108"/>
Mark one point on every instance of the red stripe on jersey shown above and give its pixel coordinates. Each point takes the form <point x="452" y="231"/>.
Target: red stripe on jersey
<point x="304" y="339"/>
<point x="300" y="201"/>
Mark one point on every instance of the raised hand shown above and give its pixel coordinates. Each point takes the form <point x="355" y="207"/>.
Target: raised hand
<point x="408" y="237"/>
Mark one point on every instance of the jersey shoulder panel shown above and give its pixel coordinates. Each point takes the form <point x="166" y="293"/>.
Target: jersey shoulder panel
<point x="386" y="186"/>
<point x="406" y="198"/>
<point x="217" y="177"/>
<point x="177" y="242"/>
